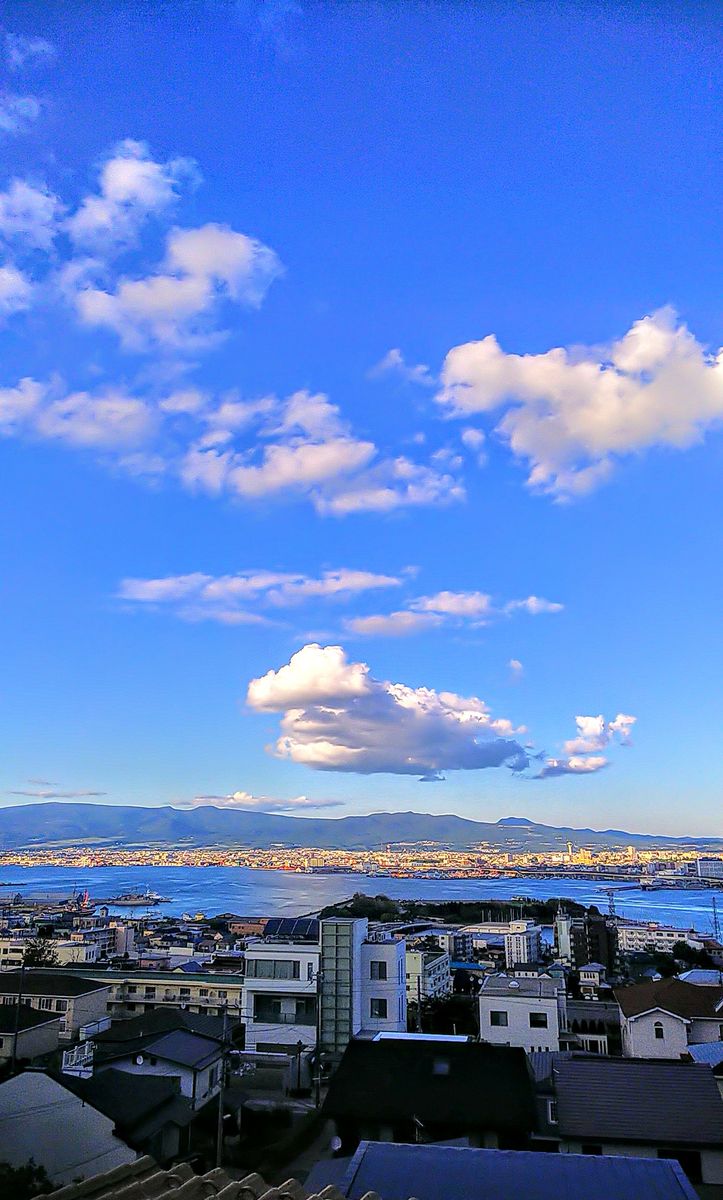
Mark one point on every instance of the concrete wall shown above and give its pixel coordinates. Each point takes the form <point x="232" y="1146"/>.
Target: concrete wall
<point x="392" y="989"/>
<point x="518" y="1031"/>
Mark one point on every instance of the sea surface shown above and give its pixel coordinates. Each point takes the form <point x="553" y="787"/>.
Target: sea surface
<point x="252" y="892"/>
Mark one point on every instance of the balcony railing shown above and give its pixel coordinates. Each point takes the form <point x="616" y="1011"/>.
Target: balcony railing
<point x="269" y="1018"/>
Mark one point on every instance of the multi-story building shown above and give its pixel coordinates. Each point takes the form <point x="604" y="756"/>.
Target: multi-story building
<point x="523" y="943"/>
<point x="77" y="1001"/>
<point x="634" y="937"/>
<point x="12" y="951"/>
<point x="531" y="1013"/>
<point x="328" y="979"/>
<point x="137" y="991"/>
<point x="709" y="868"/>
<point x="588" y="938"/>
<point x="428" y="976"/>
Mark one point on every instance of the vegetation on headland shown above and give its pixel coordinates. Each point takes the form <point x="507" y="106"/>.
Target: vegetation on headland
<point x="453" y="912"/>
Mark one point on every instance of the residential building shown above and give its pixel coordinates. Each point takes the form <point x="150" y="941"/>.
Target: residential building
<point x="38" y="1115"/>
<point x="645" y="1109"/>
<point x="594" y="1025"/>
<point x="78" y="1001"/>
<point x="410" y="1090"/>
<point x="281" y="984"/>
<point x="660" y="1019"/>
<point x="649" y="936"/>
<point x="136" y="991"/>
<point x="590" y="937"/>
<point x="591" y="979"/>
<point x="192" y="1058"/>
<point x="523" y="943"/>
<point x="29" y="1033"/>
<point x="428" y="975"/>
<point x="529" y="1013"/>
<point x="709" y="868"/>
<point x="432" y="1172"/>
<point x="12" y="951"/>
<point x="148" y="1111"/>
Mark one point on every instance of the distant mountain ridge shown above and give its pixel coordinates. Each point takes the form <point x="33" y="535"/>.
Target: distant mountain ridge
<point x="118" y="826"/>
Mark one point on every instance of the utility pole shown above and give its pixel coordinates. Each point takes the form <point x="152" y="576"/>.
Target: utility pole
<point x="317" y="1075"/>
<point x="419" y="996"/>
<point x="219" y="1126"/>
<point x="14" y="1059"/>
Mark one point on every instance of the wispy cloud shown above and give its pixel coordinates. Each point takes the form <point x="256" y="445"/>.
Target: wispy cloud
<point x="18" y="113"/>
<point x="23" y="52"/>
<point x="246" y="802"/>
<point x="394" y="363"/>
<point x="444" y="608"/>
<point x="52" y="794"/>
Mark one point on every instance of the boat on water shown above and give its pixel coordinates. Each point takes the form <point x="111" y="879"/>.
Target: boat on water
<point x="136" y="899"/>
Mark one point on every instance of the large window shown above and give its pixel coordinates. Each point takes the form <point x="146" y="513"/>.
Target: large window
<point x="378" y="969"/>
<point x="273" y="968"/>
<point x="378" y="1009"/>
<point x="659" y="1031"/>
<point x="498" y="1018"/>
<point x="538" y="1020"/>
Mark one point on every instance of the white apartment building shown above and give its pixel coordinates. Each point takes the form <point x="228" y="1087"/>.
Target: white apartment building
<point x="141" y="991"/>
<point x="12" y="950"/>
<point x="651" y="936"/>
<point x="523" y="943"/>
<point x="709" y="868"/>
<point x="428" y="975"/>
<point x="531" y="1013"/>
<point x="330" y="978"/>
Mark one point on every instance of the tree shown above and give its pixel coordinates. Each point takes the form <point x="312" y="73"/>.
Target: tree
<point x="40" y="952"/>
<point x="22" y="1183"/>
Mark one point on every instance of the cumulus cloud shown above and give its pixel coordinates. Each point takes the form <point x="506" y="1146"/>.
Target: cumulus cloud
<point x="337" y="717"/>
<point x="110" y="420"/>
<point x="222" y="598"/>
<point x="571" y="414"/>
<point x="22" y="52"/>
<point x="595" y="733"/>
<point x="29" y="213"/>
<point x="575" y="765"/>
<point x="246" y="802"/>
<point x="18" y="113"/>
<point x="394" y="363"/>
<point x="132" y="187"/>
<point x="175" y="307"/>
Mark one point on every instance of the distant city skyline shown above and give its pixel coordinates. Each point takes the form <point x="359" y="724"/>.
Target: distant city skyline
<point x="360" y="412"/>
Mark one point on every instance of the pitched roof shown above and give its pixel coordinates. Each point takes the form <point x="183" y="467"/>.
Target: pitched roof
<point x="638" y="1100"/>
<point x="131" y="1100"/>
<point x="28" y="1019"/>
<point x="143" y="1179"/>
<point x="683" y="999"/>
<point x="185" y="1048"/>
<point x="160" y="1020"/>
<point x="469" y="1084"/>
<point x="467" y="1173"/>
<point x="48" y="983"/>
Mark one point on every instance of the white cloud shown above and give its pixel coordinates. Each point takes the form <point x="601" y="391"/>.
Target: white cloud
<point x="174" y="308"/>
<point x="29" y="213"/>
<point x="424" y="612"/>
<point x="572" y="414"/>
<point x="246" y="802"/>
<point x="222" y="598"/>
<point x="337" y="717"/>
<point x="15" y="291"/>
<point x="18" y="113"/>
<point x="19" y="404"/>
<point x="22" y="52"/>
<point x="111" y="420"/>
<point x="394" y="363"/>
<point x="392" y="624"/>
<point x="595" y="733"/>
<point x="516" y="668"/>
<point x="133" y="187"/>
<point x="575" y="765"/>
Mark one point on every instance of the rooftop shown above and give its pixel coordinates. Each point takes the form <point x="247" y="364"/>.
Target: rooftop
<point x="504" y="985"/>
<point x="28" y="1019"/>
<point x="48" y="983"/>
<point x="638" y="1100"/>
<point x="683" y="999"/>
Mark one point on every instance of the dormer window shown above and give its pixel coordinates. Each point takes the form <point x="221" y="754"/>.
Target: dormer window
<point x="659" y="1031"/>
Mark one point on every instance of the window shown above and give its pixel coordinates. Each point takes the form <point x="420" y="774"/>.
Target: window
<point x="46" y="1002"/>
<point x="552" y="1111"/>
<point x="203" y="991"/>
<point x="273" y="968"/>
<point x="184" y="993"/>
<point x="659" y="1031"/>
<point x="149" y="993"/>
<point x="378" y="1009"/>
<point x="498" y="1018"/>
<point x="222" y="995"/>
<point x="538" y="1020"/>
<point x="61" y="1005"/>
<point x="378" y="969"/>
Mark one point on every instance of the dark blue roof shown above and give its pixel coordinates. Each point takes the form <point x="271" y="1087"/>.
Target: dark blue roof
<point x="296" y="929"/>
<point x="452" y="1173"/>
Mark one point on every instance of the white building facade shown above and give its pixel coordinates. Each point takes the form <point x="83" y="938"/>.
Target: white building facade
<point x="531" y="1013"/>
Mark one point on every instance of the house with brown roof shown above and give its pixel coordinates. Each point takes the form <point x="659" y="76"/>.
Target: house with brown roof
<point x="661" y="1018"/>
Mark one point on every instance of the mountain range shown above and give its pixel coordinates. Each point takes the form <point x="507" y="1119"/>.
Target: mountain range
<point x="116" y="826"/>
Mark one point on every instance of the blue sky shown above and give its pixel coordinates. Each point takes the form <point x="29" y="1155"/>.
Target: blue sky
<point x="371" y="425"/>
